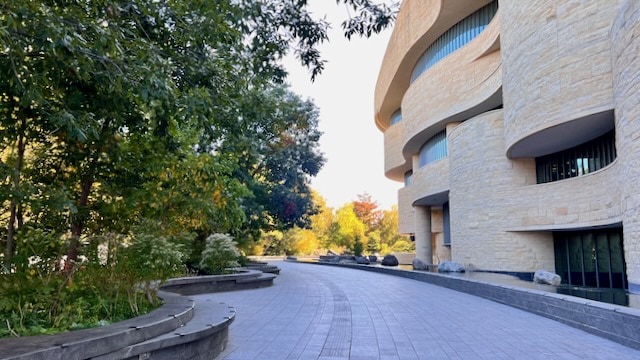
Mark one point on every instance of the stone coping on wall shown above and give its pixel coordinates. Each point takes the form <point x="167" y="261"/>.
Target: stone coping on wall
<point x="242" y="279"/>
<point x="179" y="329"/>
<point x="617" y="323"/>
<point x="176" y="311"/>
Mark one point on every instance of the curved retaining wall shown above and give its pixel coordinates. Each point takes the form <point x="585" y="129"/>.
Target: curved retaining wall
<point x="179" y="329"/>
<point x="616" y="323"/>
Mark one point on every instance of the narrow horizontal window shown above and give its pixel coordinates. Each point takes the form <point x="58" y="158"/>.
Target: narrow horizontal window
<point x="577" y="161"/>
<point x="456" y="37"/>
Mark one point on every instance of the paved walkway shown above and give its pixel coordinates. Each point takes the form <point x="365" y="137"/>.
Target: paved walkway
<point x="324" y="312"/>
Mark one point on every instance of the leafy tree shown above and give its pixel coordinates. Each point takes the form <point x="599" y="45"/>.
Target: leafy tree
<point x="370" y="17"/>
<point x="277" y="242"/>
<point x="347" y="227"/>
<point x="322" y="220"/>
<point x="358" y="246"/>
<point x="366" y="209"/>
<point x="116" y="114"/>
<point x="388" y="228"/>
<point x="373" y="242"/>
<point x="304" y="241"/>
<point x="277" y="154"/>
<point x="403" y="246"/>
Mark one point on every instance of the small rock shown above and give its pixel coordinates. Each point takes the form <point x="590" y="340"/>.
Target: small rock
<point x="390" y="260"/>
<point x="450" y="266"/>
<point x="419" y="264"/>
<point x="373" y="258"/>
<point x="546" y="277"/>
<point x="362" y="260"/>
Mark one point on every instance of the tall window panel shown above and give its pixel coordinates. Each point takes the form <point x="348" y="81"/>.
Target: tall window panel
<point x="591" y="258"/>
<point x="456" y="37"/>
<point x="577" y="161"/>
<point x="434" y="149"/>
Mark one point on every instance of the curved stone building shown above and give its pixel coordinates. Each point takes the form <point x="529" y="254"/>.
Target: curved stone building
<point x="515" y="126"/>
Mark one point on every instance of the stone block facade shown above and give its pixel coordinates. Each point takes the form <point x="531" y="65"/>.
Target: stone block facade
<point x="541" y="80"/>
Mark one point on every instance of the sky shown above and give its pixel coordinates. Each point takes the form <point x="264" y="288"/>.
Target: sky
<point x="351" y="142"/>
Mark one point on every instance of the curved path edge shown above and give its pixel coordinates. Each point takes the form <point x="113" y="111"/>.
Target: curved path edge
<point x="613" y="322"/>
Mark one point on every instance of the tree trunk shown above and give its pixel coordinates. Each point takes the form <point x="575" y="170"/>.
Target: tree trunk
<point x="77" y="221"/>
<point x="15" y="213"/>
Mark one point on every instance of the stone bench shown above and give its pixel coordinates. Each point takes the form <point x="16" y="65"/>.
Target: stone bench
<point x="243" y="279"/>
<point x="82" y="344"/>
<point x="203" y="337"/>
<point x="179" y="329"/>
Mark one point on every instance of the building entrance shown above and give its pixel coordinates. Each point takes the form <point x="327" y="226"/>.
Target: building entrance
<point x="591" y="258"/>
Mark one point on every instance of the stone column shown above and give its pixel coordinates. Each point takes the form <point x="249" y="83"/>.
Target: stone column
<point x="423" y="233"/>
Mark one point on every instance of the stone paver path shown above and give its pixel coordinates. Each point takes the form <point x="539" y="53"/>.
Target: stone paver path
<point x="324" y="312"/>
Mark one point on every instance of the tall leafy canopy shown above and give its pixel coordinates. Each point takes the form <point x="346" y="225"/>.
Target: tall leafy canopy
<point x="116" y="111"/>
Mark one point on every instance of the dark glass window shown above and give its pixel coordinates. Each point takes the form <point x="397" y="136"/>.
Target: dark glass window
<point x="454" y="38"/>
<point x="396" y="117"/>
<point x="591" y="258"/>
<point x="434" y="149"/>
<point x="407" y="177"/>
<point x="446" y="220"/>
<point x="580" y="160"/>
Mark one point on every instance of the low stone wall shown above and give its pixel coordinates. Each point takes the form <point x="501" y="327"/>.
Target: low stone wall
<point x="179" y="329"/>
<point x="243" y="279"/>
<point x="617" y="323"/>
<point x="82" y="344"/>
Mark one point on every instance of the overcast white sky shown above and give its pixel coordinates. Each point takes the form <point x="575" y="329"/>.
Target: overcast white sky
<point x="352" y="144"/>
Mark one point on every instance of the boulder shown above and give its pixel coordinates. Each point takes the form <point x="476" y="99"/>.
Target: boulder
<point x="450" y="266"/>
<point x="546" y="277"/>
<point x="373" y="258"/>
<point x="419" y="264"/>
<point x="362" y="260"/>
<point x="389" y="260"/>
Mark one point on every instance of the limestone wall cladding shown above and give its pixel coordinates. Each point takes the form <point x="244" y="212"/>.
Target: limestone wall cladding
<point x="414" y="19"/>
<point x="469" y="75"/>
<point x="395" y="164"/>
<point x="457" y="83"/>
<point x="584" y="201"/>
<point x="556" y="62"/>
<point x="625" y="41"/>
<point x="482" y="195"/>
<point x="419" y="23"/>
<point x="430" y="179"/>
<point x="406" y="213"/>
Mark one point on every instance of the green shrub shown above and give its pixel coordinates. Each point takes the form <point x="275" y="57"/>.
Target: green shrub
<point x="219" y="255"/>
<point x="402" y="246"/>
<point x="115" y="278"/>
<point x="358" y="247"/>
